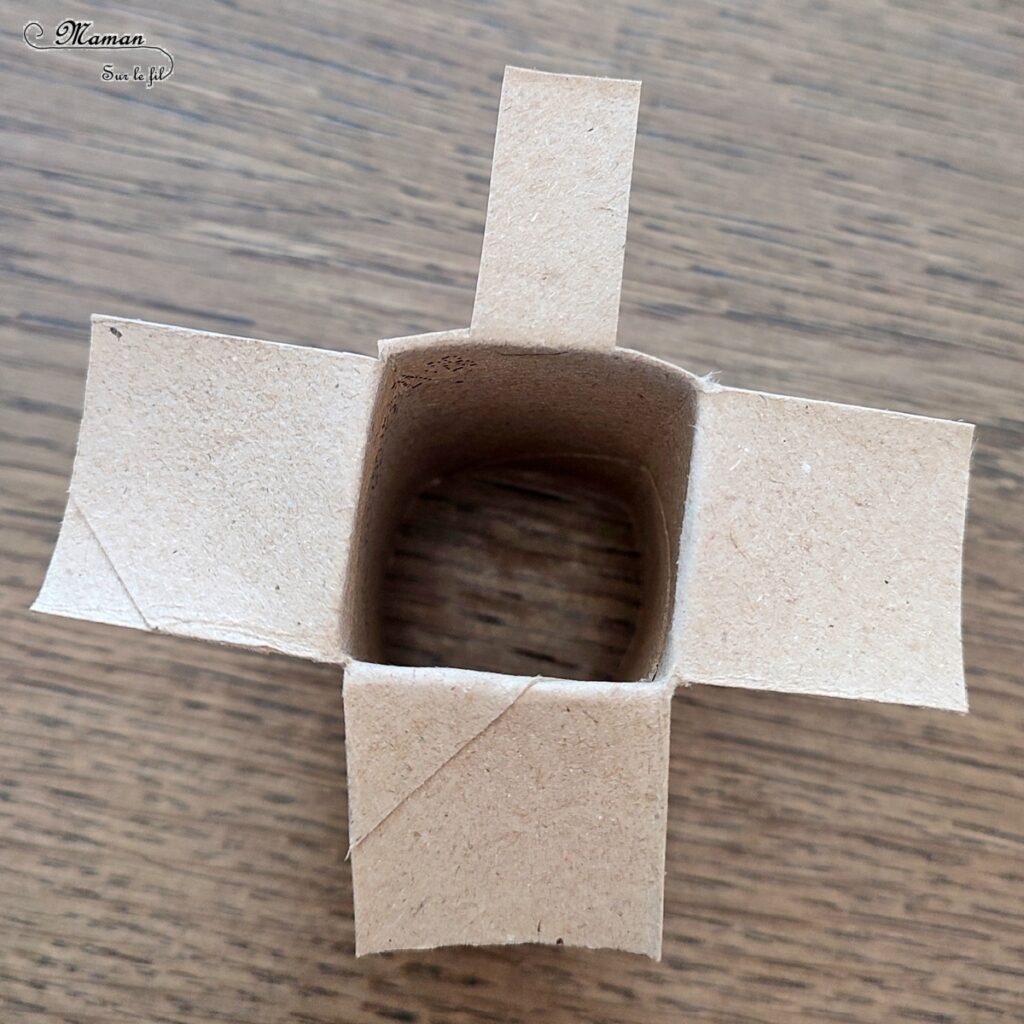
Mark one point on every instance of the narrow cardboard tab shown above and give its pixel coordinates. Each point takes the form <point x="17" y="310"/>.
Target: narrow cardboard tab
<point x="214" y="489"/>
<point x="551" y="268"/>
<point x="822" y="551"/>
<point x="546" y="824"/>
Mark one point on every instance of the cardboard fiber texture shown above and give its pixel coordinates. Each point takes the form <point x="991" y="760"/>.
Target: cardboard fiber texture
<point x="858" y="593"/>
<point x="502" y="809"/>
<point x="551" y="267"/>
<point x="248" y="492"/>
<point x="213" y="492"/>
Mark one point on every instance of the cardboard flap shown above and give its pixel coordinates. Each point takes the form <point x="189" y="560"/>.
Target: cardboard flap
<point x="822" y="551"/>
<point x="551" y="267"/>
<point x="541" y="818"/>
<point x="214" y="488"/>
<point x="407" y="724"/>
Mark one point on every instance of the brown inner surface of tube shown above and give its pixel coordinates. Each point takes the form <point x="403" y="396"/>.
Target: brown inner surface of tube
<point x="518" y="568"/>
<point x="521" y="512"/>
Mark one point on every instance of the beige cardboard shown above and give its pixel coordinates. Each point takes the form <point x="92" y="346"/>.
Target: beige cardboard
<point x="542" y="822"/>
<point x="249" y="492"/>
<point x="214" y="488"/>
<point x="551" y="268"/>
<point x="440" y="716"/>
<point x="822" y="551"/>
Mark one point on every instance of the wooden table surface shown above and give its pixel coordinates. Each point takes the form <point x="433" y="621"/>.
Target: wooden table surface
<point x="828" y="201"/>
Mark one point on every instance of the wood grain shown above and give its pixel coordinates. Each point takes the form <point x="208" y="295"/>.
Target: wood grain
<point x="515" y="568"/>
<point x="827" y="201"/>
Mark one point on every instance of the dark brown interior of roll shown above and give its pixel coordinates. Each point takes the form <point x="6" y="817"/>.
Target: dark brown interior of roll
<point x="522" y="512"/>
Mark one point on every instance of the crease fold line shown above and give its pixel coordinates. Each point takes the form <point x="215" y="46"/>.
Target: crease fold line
<point x="74" y="502"/>
<point x="358" y="840"/>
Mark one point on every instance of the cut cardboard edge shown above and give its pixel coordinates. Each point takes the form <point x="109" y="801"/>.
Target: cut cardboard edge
<point x="108" y="319"/>
<point x="957" y="701"/>
<point x="114" y="603"/>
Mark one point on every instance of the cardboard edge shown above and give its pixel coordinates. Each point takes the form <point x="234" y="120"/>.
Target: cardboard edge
<point x="107" y="319"/>
<point x="714" y="388"/>
<point x="958" y="703"/>
<point x="652" y="950"/>
<point x="517" y="71"/>
<point x="43" y="606"/>
<point x="388" y="347"/>
<point x="124" y="612"/>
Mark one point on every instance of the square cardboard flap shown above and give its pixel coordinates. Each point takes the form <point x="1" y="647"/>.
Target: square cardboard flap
<point x="494" y="809"/>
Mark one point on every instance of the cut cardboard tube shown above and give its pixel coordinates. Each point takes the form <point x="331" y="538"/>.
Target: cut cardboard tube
<point x="449" y="406"/>
<point x="248" y="492"/>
